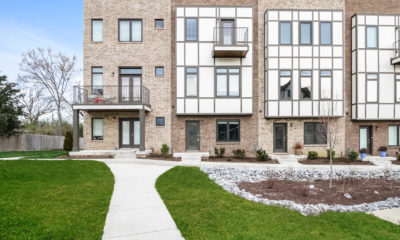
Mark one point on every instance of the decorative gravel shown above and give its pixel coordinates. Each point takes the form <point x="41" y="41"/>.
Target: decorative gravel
<point x="229" y="177"/>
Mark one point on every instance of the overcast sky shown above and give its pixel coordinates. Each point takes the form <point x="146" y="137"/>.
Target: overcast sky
<point x="28" y="24"/>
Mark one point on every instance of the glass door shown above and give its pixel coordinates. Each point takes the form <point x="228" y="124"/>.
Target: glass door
<point x="129" y="136"/>
<point x="366" y="139"/>
<point x="280" y="138"/>
<point x="131" y="88"/>
<point x="228" y="34"/>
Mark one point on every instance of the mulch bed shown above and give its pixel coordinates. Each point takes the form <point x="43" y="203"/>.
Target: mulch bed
<point x="232" y="159"/>
<point x="160" y="157"/>
<point x="361" y="191"/>
<point x="336" y="161"/>
<point x="86" y="157"/>
<point x="396" y="162"/>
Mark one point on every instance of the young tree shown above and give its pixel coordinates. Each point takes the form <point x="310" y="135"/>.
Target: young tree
<point x="330" y="125"/>
<point x="52" y="71"/>
<point x="35" y="102"/>
<point x="10" y="109"/>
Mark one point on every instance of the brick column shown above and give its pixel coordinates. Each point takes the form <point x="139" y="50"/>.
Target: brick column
<point x="75" y="116"/>
<point x="142" y="129"/>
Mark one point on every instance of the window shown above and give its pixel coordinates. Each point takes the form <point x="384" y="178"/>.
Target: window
<point x="159" y="71"/>
<point x="394" y="135"/>
<point x="285" y="78"/>
<point x="326" y="84"/>
<point x="97" y="80"/>
<point x="97" y="30"/>
<point x="130" y="30"/>
<point x="191" y="29"/>
<point x="97" y="129"/>
<point x="159" y="23"/>
<point x="228" y="82"/>
<point x="130" y="71"/>
<point x="372" y="87"/>
<point x="397" y="87"/>
<point x="160" y="121"/>
<point x="191" y="82"/>
<point x="228" y="131"/>
<point x="314" y="133"/>
<point x="372" y="36"/>
<point x="285" y="33"/>
<point x="305" y="85"/>
<point x="325" y="36"/>
<point x="305" y="33"/>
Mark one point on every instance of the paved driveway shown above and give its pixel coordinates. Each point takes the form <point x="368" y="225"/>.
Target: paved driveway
<point x="136" y="210"/>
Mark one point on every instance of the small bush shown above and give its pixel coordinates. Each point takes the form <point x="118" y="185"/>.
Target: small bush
<point x="353" y="155"/>
<point x="262" y="155"/>
<point x="363" y="150"/>
<point x="239" y="153"/>
<point x="219" y="152"/>
<point x="312" y="155"/>
<point x="164" y="150"/>
<point x="298" y="146"/>
<point x="68" y="141"/>
<point x="328" y="152"/>
<point x="382" y="149"/>
<point x="229" y="159"/>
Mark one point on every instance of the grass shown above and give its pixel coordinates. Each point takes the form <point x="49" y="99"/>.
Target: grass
<point x="203" y="210"/>
<point x="34" y="154"/>
<point x="54" y="199"/>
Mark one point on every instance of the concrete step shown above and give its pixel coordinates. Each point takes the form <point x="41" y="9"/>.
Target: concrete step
<point x="191" y="156"/>
<point x="125" y="154"/>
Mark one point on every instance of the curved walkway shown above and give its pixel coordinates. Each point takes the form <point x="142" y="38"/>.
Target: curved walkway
<point x="136" y="210"/>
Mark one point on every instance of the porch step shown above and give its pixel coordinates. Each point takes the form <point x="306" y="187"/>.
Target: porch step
<point x="288" y="159"/>
<point x="191" y="157"/>
<point x="126" y="154"/>
<point x="380" y="161"/>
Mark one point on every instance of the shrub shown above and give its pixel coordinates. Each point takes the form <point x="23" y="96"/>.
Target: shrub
<point x="164" y="150"/>
<point x="353" y="155"/>
<point x="363" y="150"/>
<point x="68" y="141"/>
<point x="239" y="153"/>
<point x="298" y="146"/>
<point x="328" y="152"/>
<point x="312" y="155"/>
<point x="382" y="149"/>
<point x="229" y="159"/>
<point x="219" y="152"/>
<point x="262" y="155"/>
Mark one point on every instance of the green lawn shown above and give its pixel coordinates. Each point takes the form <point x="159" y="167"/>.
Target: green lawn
<point x="34" y="154"/>
<point x="203" y="210"/>
<point x="54" y="199"/>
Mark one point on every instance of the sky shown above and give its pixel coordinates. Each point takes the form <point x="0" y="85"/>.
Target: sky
<point x="29" y="24"/>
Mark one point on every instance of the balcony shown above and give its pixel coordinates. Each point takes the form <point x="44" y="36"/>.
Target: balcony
<point x="230" y="42"/>
<point x="111" y="97"/>
<point x="396" y="58"/>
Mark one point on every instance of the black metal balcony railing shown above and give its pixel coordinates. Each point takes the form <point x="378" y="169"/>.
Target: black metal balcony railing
<point x="111" y="95"/>
<point x="231" y="36"/>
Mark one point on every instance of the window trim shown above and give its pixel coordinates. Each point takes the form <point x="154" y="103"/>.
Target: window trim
<point x="197" y="82"/>
<point x="311" y="79"/>
<point x="320" y="85"/>
<point x="311" y="33"/>
<point x="197" y="29"/>
<point x="304" y="135"/>
<point x="93" y="139"/>
<point x="92" y="74"/>
<point x="155" y="23"/>
<point x="366" y="36"/>
<point x="163" y="122"/>
<point x="291" y="33"/>
<point x="291" y="84"/>
<point x="102" y="29"/>
<point x="155" y="71"/>
<point x="227" y="81"/>
<point x="227" y="133"/>
<point x="130" y="29"/>
<point x="320" y="35"/>
<point x="397" y="135"/>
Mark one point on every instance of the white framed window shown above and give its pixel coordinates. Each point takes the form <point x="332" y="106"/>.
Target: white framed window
<point x="372" y="87"/>
<point x="325" y="33"/>
<point x="305" y="84"/>
<point x="285" y="85"/>
<point x="228" y="82"/>
<point x="326" y="84"/>
<point x="397" y="87"/>
<point x="97" y="30"/>
<point x="191" y="82"/>
<point x="372" y="36"/>
<point x="97" y="129"/>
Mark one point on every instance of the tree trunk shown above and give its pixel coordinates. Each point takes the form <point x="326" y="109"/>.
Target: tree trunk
<point x="59" y="121"/>
<point x="331" y="172"/>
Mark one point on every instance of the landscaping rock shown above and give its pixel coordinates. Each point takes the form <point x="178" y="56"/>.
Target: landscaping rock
<point x="229" y="177"/>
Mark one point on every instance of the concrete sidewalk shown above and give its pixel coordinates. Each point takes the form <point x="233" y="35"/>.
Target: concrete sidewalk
<point x="390" y="215"/>
<point x="136" y="210"/>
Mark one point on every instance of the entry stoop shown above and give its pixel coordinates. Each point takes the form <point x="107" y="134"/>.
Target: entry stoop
<point x="191" y="158"/>
<point x="126" y="154"/>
